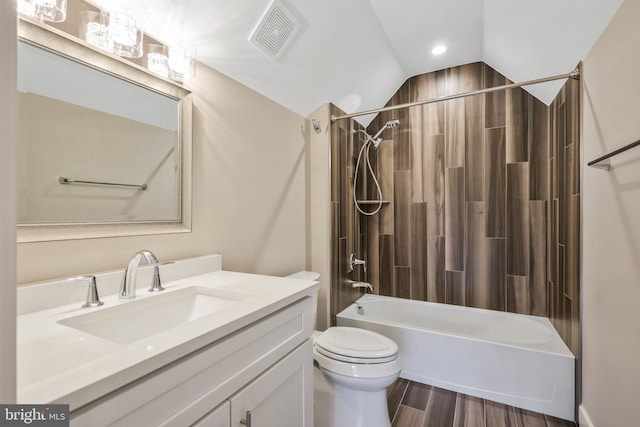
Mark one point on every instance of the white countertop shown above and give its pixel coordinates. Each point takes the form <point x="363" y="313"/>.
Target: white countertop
<point x="60" y="364"/>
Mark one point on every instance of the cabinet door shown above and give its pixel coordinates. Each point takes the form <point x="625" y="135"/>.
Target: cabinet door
<point x="281" y="397"/>
<point x="219" y="417"/>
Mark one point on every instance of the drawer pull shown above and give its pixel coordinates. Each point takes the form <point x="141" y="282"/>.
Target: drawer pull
<point x="247" y="420"/>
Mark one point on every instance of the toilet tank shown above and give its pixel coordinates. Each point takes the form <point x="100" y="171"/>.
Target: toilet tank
<point x="309" y="275"/>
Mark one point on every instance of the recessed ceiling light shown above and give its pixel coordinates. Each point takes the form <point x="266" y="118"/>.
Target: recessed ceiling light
<point x="439" y="50"/>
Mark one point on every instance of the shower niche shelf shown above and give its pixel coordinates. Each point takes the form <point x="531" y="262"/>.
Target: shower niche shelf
<point x="372" y="202"/>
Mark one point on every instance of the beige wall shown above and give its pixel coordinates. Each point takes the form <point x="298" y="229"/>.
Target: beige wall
<point x="248" y="193"/>
<point x="611" y="212"/>
<point x="7" y="204"/>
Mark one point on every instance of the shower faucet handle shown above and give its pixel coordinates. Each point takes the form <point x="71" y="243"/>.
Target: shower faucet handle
<point x="354" y="261"/>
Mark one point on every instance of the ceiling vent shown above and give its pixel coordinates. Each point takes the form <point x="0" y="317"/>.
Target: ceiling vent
<point x="276" y="30"/>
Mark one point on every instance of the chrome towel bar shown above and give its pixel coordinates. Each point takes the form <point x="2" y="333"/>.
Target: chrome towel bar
<point x="598" y="163"/>
<point x="63" y="180"/>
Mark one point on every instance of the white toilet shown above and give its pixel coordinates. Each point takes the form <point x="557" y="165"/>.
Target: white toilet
<point x="352" y="369"/>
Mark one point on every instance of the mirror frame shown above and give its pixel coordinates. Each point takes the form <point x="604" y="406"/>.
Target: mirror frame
<point x="60" y="43"/>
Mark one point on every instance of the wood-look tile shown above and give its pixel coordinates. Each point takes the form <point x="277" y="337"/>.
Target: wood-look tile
<point x="415" y="137"/>
<point x="440" y="408"/>
<point x="395" y="394"/>
<point x="436" y="271"/>
<point x="474" y="148"/>
<point x="455" y="292"/>
<point x="469" y="412"/>
<point x="408" y="417"/>
<point x="538" y="136"/>
<point x="338" y="136"/>
<point x="335" y="260"/>
<point x="348" y="212"/>
<point x="518" y="295"/>
<point x="561" y="174"/>
<point x="495" y="102"/>
<point x="517" y="125"/>
<point x="454" y="219"/>
<point x="373" y="252"/>
<point x="557" y="422"/>
<point x="341" y="289"/>
<point x="455" y="133"/>
<point x="526" y="418"/>
<point x="499" y="415"/>
<point x="477" y="286"/>
<point x="417" y="395"/>
<point x="385" y="177"/>
<point x="401" y="133"/>
<point x="495" y="182"/>
<point x="434" y="185"/>
<point x="518" y="219"/>
<point x="419" y="251"/>
<point x="497" y="249"/>
<point x="403" y="282"/>
<point x="402" y="218"/>
<point x="538" y="256"/>
<point x="387" y="273"/>
<point x="429" y="86"/>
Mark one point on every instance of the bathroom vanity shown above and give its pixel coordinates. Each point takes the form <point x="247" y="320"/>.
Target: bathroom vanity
<point x="216" y="348"/>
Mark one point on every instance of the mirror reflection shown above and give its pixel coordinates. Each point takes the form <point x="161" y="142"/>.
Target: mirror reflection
<point x="119" y="142"/>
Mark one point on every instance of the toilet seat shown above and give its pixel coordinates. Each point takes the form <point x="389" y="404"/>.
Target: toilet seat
<point x="355" y="345"/>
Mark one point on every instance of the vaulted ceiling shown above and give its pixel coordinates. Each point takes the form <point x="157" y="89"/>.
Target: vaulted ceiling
<point x="357" y="53"/>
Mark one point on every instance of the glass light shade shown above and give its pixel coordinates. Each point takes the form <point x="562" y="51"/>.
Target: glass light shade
<point x="179" y="63"/>
<point x="44" y="10"/>
<point x="94" y="29"/>
<point x="158" y="60"/>
<point x="126" y="37"/>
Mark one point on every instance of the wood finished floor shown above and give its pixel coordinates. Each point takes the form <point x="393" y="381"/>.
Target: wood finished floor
<point x="413" y="404"/>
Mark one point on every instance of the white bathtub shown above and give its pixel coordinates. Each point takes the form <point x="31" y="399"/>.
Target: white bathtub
<point x="510" y="358"/>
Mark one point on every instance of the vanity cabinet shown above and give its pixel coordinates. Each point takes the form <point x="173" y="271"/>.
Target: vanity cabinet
<point x="265" y="368"/>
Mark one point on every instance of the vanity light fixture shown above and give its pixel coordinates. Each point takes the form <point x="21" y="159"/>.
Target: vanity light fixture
<point x="158" y="59"/>
<point x="125" y="35"/>
<point x="179" y="63"/>
<point x="44" y="10"/>
<point x="93" y="29"/>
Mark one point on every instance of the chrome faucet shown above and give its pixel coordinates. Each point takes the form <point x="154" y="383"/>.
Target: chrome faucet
<point x="128" y="287"/>
<point x="354" y="261"/>
<point x="93" y="300"/>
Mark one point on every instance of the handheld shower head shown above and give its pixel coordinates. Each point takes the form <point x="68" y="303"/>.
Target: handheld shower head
<point x="377" y="139"/>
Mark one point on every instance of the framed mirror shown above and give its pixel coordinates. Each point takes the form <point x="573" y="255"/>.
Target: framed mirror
<point x="104" y="146"/>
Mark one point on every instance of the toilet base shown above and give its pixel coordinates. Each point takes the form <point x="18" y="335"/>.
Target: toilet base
<point x="337" y="403"/>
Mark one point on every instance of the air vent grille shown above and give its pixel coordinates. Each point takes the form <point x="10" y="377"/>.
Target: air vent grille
<point x="275" y="31"/>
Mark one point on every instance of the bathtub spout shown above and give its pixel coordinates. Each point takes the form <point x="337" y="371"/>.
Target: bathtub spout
<point x="357" y="284"/>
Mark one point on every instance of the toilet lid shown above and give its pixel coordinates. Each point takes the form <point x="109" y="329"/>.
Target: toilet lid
<point x="356" y="345"/>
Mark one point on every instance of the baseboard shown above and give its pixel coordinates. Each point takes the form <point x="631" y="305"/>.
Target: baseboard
<point x="583" y="418"/>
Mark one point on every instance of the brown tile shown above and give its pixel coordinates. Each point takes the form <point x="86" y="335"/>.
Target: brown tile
<point x="497" y="272"/>
<point x="387" y="273"/>
<point x="495" y="182"/>
<point x="440" y="408"/>
<point x="499" y="415"/>
<point x="373" y="252"/>
<point x="557" y="422"/>
<point x="455" y="133"/>
<point x="469" y="411"/>
<point x="403" y="282"/>
<point x="518" y="295"/>
<point x="429" y="86"/>
<point x="454" y="219"/>
<point x="402" y="217"/>
<point x="495" y="102"/>
<point x="455" y="288"/>
<point x="395" y="393"/>
<point x="517" y="125"/>
<point x="538" y="136"/>
<point x="518" y="219"/>
<point x="538" y="257"/>
<point x="474" y="148"/>
<point x="419" y="251"/>
<point x="408" y="417"/>
<point x="477" y="286"/>
<point x="415" y="137"/>
<point x="386" y="177"/>
<point x="434" y="185"/>
<point x="529" y="419"/>
<point x="401" y="133"/>
<point x="417" y="395"/>
<point x="436" y="272"/>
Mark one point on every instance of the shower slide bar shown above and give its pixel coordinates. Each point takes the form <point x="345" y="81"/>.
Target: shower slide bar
<point x="604" y="162"/>
<point x="575" y="75"/>
<point x="63" y="180"/>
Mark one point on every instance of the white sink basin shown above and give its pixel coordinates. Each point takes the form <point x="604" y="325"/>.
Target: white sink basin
<point x="132" y="321"/>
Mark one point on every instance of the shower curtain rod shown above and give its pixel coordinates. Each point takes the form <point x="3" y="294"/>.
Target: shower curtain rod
<point x="575" y="74"/>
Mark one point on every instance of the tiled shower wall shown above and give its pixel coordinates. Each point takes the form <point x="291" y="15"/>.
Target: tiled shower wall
<point x="483" y="196"/>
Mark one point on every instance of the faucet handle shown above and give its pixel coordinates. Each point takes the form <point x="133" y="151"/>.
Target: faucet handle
<point x="93" y="299"/>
